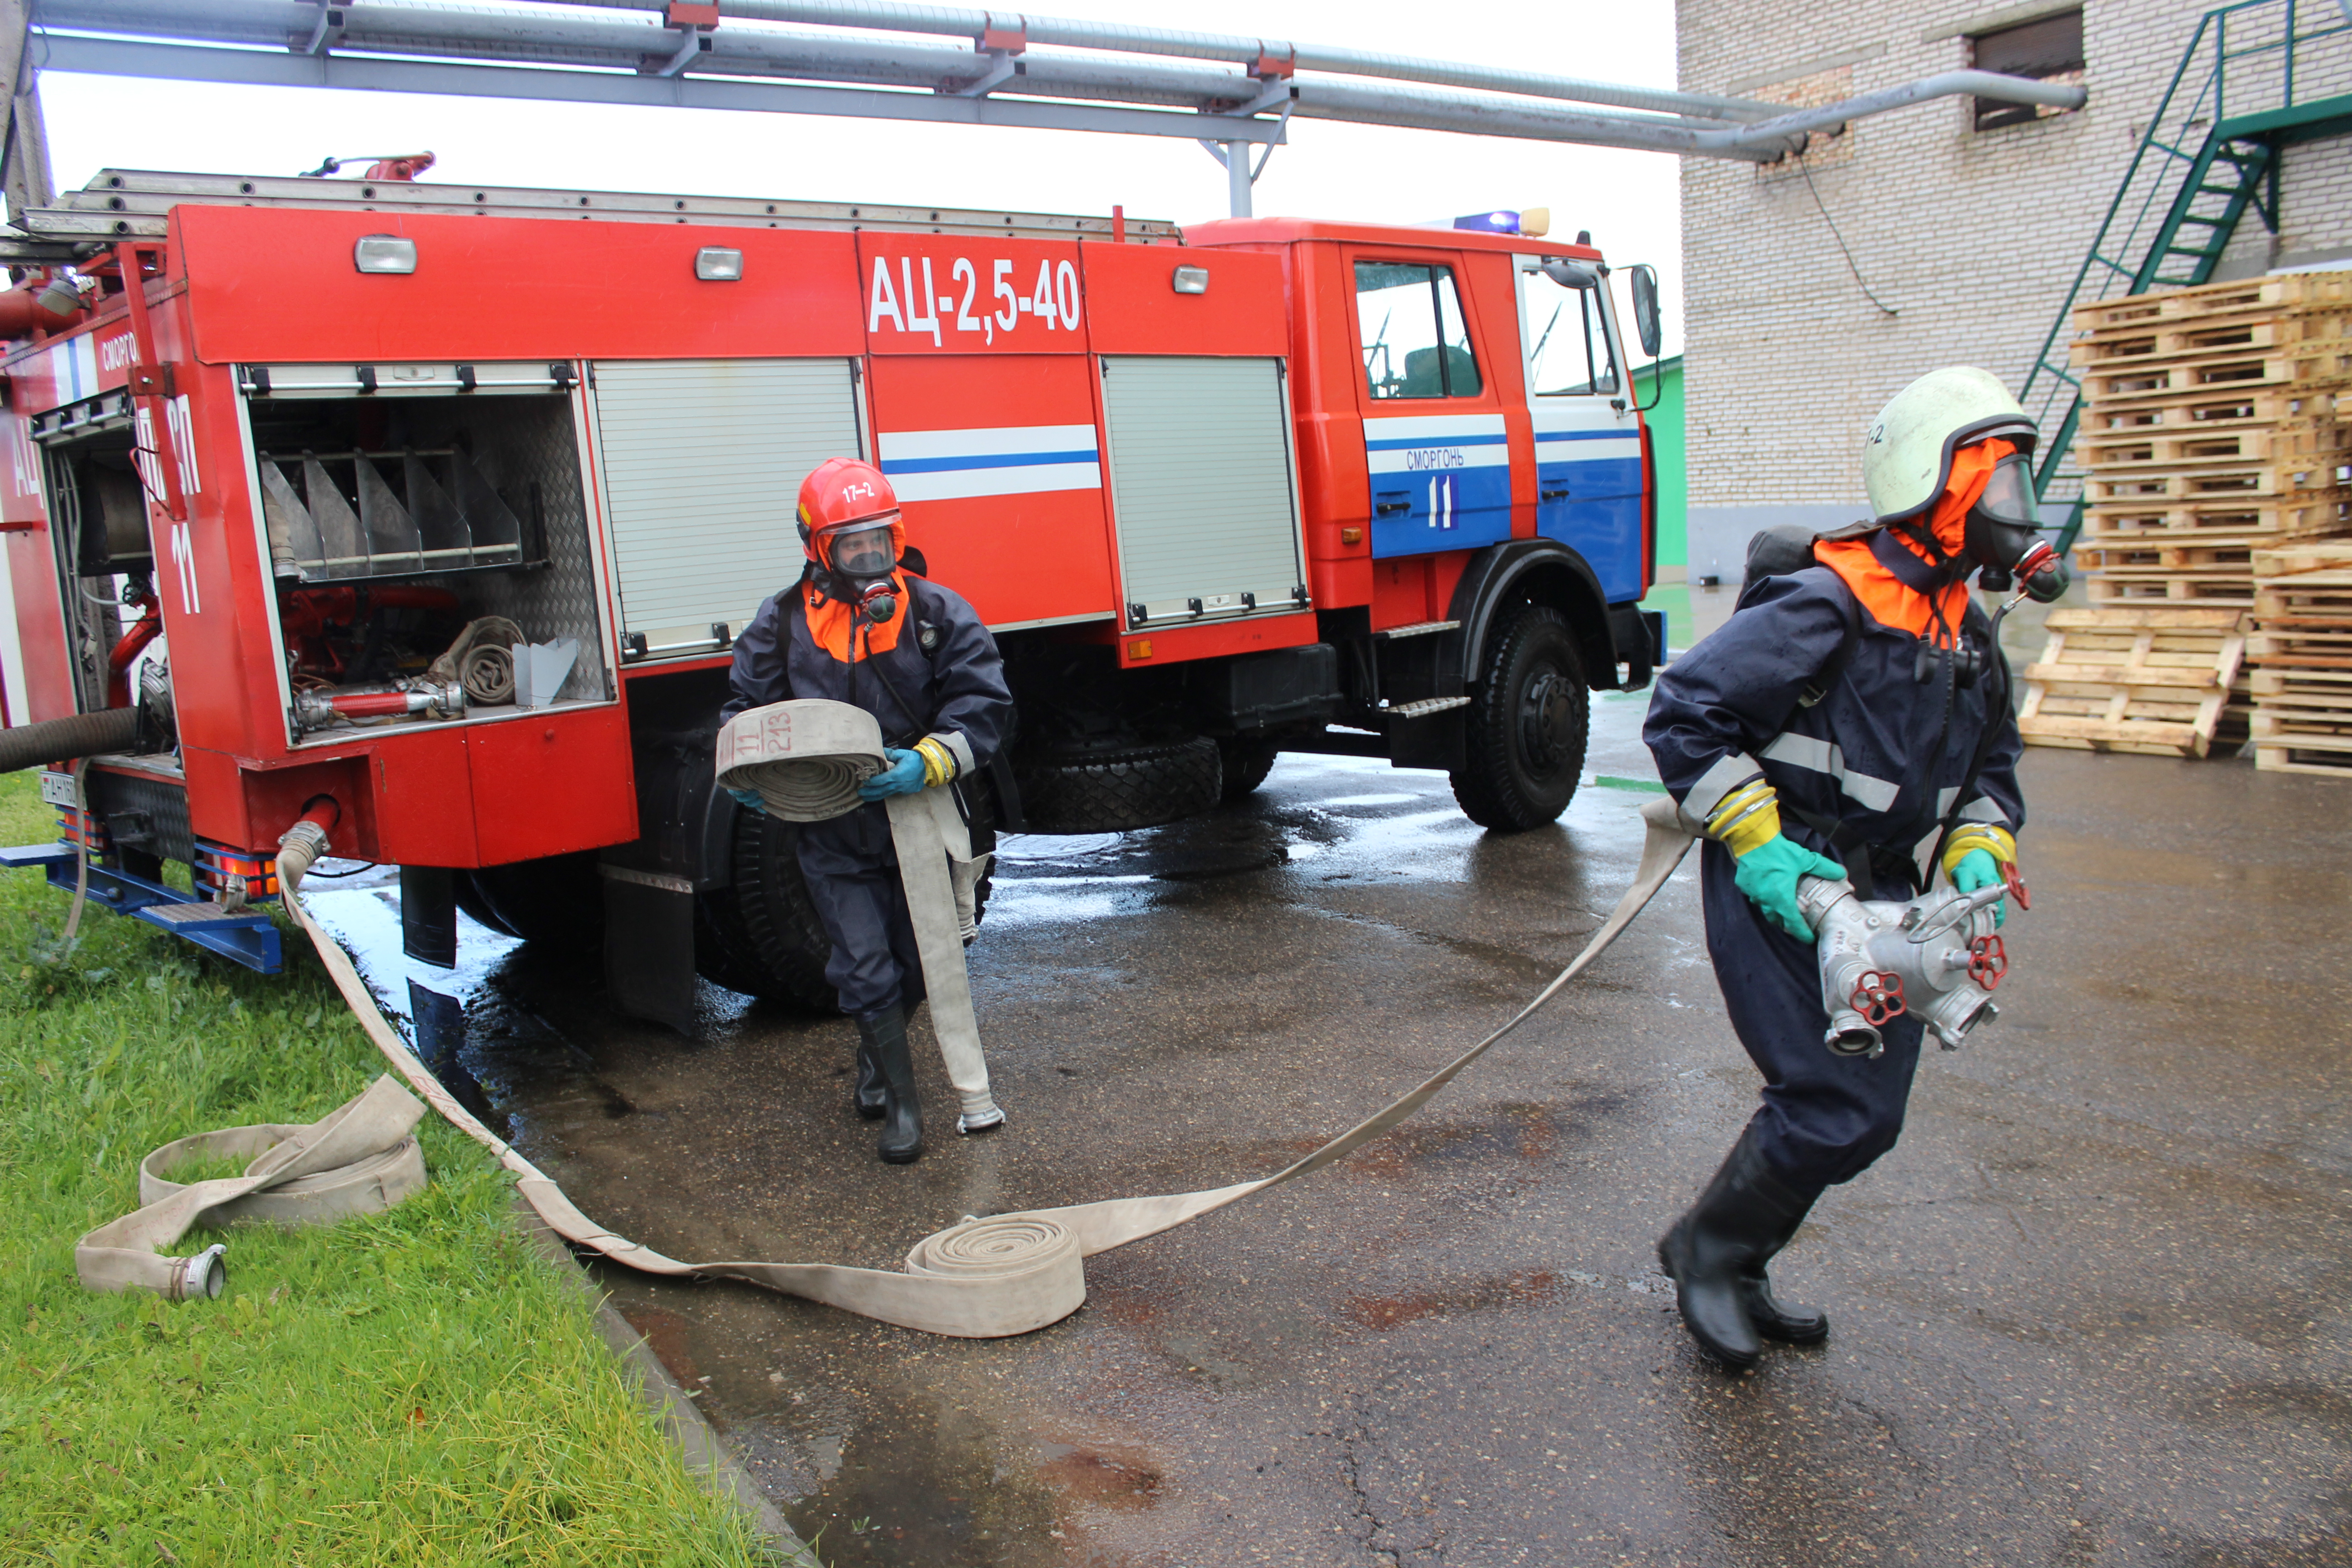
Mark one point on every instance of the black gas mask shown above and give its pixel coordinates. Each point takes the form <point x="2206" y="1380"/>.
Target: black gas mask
<point x="857" y="559"/>
<point x="2004" y="538"/>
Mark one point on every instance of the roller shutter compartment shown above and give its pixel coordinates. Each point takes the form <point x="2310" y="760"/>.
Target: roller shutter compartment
<point x="1203" y="488"/>
<point x="702" y="462"/>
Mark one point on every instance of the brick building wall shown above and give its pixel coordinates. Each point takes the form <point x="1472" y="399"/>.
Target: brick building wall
<point x="1970" y="238"/>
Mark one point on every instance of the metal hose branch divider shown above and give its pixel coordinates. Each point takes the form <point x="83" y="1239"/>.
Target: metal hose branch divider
<point x="986" y="1278"/>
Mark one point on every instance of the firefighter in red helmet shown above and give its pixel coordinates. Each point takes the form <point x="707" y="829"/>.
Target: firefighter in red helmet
<point x="864" y="625"/>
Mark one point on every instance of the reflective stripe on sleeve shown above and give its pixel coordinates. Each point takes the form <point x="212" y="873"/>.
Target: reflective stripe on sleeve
<point x="1984" y="808"/>
<point x="1728" y="773"/>
<point x="1821" y="757"/>
<point x="958" y="747"/>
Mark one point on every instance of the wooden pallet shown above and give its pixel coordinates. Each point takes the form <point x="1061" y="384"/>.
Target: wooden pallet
<point x="2211" y="484"/>
<point x="2313" y="600"/>
<point x="2153" y="682"/>
<point x="2283" y="290"/>
<point x="2301" y="756"/>
<point x="2300" y="689"/>
<point x="2279" y="522"/>
<point x="2301" y="443"/>
<point x="2271" y="370"/>
<point x="2295" y="560"/>
<point x="2223" y="409"/>
<point x="2187" y="591"/>
<point x="2147" y="557"/>
<point x="2300" y="648"/>
<point x="2209" y="337"/>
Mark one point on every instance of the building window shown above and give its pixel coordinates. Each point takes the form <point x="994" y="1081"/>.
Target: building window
<point x="1415" y="345"/>
<point x="2048" y="48"/>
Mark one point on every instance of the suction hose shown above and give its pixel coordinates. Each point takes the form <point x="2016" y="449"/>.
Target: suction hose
<point x="82" y="735"/>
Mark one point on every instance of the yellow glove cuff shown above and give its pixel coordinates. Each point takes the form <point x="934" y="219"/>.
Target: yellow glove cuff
<point x="1748" y="817"/>
<point x="939" y="763"/>
<point x="1984" y="836"/>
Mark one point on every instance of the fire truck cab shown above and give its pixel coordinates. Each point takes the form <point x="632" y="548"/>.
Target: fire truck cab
<point x="448" y="502"/>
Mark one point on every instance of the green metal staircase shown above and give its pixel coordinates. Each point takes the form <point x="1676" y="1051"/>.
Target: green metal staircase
<point x="2211" y="151"/>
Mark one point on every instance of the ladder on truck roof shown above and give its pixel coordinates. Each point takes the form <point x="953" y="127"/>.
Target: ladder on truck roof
<point x="2210" y="152"/>
<point x="133" y="204"/>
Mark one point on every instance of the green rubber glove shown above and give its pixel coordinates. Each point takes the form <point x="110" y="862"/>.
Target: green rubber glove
<point x="1767" y="874"/>
<point x="1978" y="869"/>
<point x="749" y="799"/>
<point x="903" y="776"/>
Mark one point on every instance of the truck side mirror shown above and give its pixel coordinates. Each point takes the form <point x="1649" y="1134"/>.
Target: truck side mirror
<point x="1647" y="325"/>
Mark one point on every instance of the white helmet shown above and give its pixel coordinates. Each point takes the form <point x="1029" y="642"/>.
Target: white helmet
<point x="1907" y="458"/>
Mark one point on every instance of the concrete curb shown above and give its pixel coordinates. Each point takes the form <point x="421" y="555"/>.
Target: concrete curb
<point x="703" y="1450"/>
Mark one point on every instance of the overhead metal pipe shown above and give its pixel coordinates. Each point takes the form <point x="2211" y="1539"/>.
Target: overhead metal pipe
<point x="1947" y="84"/>
<point x="401" y="41"/>
<point x="955" y="22"/>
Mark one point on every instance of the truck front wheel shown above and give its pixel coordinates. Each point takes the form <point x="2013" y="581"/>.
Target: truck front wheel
<point x="1526" y="724"/>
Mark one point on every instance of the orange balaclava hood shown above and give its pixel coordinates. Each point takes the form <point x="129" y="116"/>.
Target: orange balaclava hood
<point x="1894" y="602"/>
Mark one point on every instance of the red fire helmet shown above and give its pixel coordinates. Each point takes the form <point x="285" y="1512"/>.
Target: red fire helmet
<point x="844" y="495"/>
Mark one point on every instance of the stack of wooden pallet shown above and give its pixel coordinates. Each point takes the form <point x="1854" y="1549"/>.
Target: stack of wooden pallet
<point x="2301" y="657"/>
<point x="2212" y="432"/>
<point x="2153" y="680"/>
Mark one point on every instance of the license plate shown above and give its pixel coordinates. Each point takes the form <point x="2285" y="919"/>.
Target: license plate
<point x="57" y="789"/>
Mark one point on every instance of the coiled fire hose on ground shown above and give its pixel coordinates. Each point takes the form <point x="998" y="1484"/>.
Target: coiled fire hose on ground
<point x="984" y="1278"/>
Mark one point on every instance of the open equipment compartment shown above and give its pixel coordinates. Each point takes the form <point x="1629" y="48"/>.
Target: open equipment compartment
<point x="416" y="513"/>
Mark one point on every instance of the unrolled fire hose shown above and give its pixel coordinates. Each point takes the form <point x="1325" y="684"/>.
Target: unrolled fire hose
<point x="984" y="1278"/>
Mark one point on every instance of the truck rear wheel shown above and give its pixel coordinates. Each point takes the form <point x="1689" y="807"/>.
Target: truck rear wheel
<point x="762" y="935"/>
<point x="1526" y="725"/>
<point x="766" y="939"/>
<point x="1246" y="763"/>
<point x="1112" y="792"/>
<point x="558" y="902"/>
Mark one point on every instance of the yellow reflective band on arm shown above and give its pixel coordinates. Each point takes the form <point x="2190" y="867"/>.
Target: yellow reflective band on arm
<point x="1749" y="815"/>
<point x="939" y="763"/>
<point x="1984" y="836"/>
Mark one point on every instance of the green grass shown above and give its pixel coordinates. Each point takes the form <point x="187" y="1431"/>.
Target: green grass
<point x="416" y="1386"/>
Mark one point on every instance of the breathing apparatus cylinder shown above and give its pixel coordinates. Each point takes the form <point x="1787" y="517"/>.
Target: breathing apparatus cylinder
<point x="1937" y="956"/>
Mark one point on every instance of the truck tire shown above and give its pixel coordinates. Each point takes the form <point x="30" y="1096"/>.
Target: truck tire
<point x="762" y="935"/>
<point x="1246" y="763"/>
<point x="478" y="907"/>
<point x="558" y="902"/>
<point x="767" y="939"/>
<point x="1112" y="792"/>
<point x="1526" y="725"/>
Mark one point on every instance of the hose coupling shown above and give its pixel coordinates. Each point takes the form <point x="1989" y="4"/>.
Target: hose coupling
<point x="198" y="1279"/>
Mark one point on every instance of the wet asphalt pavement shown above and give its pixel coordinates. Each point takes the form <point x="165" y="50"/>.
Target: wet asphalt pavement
<point x="2090" y="1312"/>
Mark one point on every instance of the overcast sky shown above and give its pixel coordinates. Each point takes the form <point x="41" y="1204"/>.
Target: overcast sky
<point x="1328" y="170"/>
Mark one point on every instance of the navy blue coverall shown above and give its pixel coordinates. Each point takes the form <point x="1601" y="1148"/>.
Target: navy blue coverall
<point x="1877" y="762"/>
<point x="944" y="678"/>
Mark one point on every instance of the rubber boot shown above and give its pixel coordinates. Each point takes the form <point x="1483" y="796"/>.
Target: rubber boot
<point x="866" y="1098"/>
<point x="902" y="1113"/>
<point x="1717" y="1252"/>
<point x="1773" y="1318"/>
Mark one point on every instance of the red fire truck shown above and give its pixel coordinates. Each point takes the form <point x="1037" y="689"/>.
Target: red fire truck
<point x="1261" y="485"/>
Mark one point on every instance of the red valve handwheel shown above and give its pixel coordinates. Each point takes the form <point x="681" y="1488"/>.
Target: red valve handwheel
<point x="1877" y="996"/>
<point x="1988" y="961"/>
<point x="2016" y="884"/>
